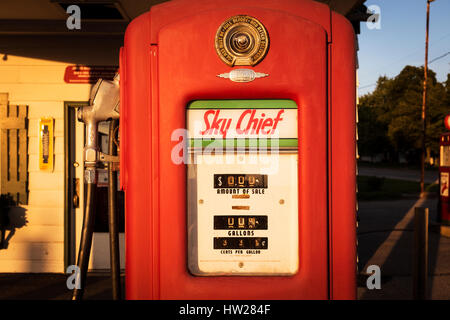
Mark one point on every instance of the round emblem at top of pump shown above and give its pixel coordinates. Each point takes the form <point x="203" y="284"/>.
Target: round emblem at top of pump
<point x="242" y="41"/>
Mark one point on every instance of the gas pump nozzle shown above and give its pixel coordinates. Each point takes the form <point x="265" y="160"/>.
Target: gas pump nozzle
<point x="104" y="105"/>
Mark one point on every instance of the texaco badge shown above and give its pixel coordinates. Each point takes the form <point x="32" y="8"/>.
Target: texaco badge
<point x="242" y="41"/>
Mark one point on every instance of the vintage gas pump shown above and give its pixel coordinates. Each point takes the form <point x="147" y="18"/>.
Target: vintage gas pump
<point x="444" y="175"/>
<point x="238" y="151"/>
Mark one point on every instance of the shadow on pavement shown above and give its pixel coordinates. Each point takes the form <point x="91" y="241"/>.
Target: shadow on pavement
<point x="380" y="242"/>
<point x="53" y="287"/>
<point x="377" y="219"/>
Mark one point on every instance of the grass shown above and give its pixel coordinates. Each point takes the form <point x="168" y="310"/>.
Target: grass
<point x="375" y="188"/>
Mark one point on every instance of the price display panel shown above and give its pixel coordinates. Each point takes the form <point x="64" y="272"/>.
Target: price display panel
<point x="243" y="214"/>
<point x="242" y="187"/>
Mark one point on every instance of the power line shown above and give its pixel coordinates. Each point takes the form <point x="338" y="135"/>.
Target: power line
<point x="414" y="52"/>
<point x="369" y="85"/>
<point x="435" y="59"/>
<point x="440" y="57"/>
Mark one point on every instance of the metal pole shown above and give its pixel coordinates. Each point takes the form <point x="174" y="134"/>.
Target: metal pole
<point x="112" y="216"/>
<point x="424" y="103"/>
<point x="420" y="266"/>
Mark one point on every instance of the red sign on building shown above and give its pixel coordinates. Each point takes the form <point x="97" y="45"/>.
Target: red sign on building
<point x="89" y="74"/>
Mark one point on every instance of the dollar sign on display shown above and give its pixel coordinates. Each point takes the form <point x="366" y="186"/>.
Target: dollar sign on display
<point x="220" y="181"/>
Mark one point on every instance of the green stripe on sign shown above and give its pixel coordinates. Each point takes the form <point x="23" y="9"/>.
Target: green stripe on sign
<point x="233" y="143"/>
<point x="242" y="104"/>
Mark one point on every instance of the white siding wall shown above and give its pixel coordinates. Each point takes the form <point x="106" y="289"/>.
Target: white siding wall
<point x="39" y="245"/>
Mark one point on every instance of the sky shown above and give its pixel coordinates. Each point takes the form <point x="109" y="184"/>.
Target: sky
<point x="400" y="40"/>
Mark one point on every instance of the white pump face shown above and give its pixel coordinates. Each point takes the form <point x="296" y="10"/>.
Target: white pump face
<point x="444" y="176"/>
<point x="243" y="199"/>
<point x="444" y="185"/>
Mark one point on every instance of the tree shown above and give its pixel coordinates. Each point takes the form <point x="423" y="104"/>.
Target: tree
<point x="390" y="116"/>
<point x="371" y="133"/>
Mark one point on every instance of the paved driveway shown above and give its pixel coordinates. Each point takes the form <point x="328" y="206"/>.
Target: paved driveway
<point x="385" y="237"/>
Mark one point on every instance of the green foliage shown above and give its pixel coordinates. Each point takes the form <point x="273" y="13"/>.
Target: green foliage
<point x="390" y="116"/>
<point x="372" y="133"/>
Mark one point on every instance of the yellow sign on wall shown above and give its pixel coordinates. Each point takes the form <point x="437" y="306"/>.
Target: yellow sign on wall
<point x="46" y="144"/>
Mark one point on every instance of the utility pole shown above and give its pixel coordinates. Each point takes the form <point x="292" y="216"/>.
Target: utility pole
<point x="424" y="104"/>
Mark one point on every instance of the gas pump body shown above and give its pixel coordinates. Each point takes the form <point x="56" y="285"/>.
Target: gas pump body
<point x="444" y="175"/>
<point x="168" y="61"/>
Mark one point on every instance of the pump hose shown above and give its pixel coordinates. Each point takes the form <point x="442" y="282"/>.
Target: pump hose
<point x="86" y="239"/>
<point x="112" y="216"/>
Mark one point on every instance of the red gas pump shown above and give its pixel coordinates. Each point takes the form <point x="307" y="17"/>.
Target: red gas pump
<point x="444" y="174"/>
<point x="238" y="151"/>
